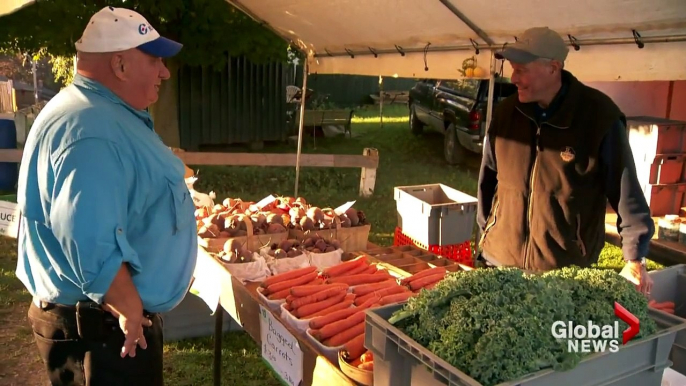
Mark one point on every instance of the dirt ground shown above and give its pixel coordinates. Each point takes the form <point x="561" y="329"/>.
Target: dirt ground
<point x="20" y="364"/>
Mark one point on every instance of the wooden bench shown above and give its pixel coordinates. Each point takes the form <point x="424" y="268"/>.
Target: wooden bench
<point x="320" y="118"/>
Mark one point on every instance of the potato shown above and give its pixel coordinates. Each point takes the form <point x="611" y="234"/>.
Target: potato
<point x="286" y="245"/>
<point x="276" y="228"/>
<point x="320" y="244"/>
<point x="294" y="253"/>
<point x="280" y="253"/>
<point x="345" y="221"/>
<point x="330" y="249"/>
<point x="352" y="215"/>
<point x="274" y="218"/>
<point x="232" y="245"/>
<point x="335" y="243"/>
<point x="315" y="214"/>
<point x="307" y="224"/>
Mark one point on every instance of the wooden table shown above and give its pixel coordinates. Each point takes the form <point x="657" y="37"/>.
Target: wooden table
<point x="242" y="303"/>
<point x="661" y="251"/>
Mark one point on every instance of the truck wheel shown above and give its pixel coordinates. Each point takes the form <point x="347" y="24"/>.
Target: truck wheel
<point x="453" y="151"/>
<point x="416" y="126"/>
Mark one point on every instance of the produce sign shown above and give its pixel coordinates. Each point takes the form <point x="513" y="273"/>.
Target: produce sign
<point x="494" y="324"/>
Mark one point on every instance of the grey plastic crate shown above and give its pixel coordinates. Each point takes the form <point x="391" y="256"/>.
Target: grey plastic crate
<point x="192" y="318"/>
<point x="670" y="286"/>
<point x="435" y="214"/>
<point x="400" y="361"/>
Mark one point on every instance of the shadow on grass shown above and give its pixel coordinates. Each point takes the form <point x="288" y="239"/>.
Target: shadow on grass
<point x="189" y="362"/>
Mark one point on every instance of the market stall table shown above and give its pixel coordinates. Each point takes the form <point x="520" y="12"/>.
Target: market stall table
<point x="243" y="304"/>
<point x="661" y="251"/>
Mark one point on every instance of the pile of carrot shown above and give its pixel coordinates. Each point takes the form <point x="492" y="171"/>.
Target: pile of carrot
<point x="387" y="291"/>
<point x="364" y="361"/>
<point x="355" y="272"/>
<point x="426" y="279"/>
<point x="314" y="300"/>
<point x="278" y="287"/>
<point x="343" y="327"/>
<point x="662" y="306"/>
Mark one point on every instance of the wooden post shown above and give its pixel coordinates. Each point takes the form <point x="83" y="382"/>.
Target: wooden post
<point x="381" y="99"/>
<point x="368" y="177"/>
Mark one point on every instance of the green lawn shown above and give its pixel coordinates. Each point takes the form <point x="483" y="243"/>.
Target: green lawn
<point x="404" y="160"/>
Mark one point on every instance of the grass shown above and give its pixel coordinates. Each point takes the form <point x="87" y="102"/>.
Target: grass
<point x="404" y="160"/>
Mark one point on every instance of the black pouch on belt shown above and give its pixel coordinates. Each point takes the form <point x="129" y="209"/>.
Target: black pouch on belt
<point x="90" y="321"/>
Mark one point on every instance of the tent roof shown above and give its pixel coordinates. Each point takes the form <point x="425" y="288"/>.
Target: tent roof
<point x="10" y="6"/>
<point x="333" y="31"/>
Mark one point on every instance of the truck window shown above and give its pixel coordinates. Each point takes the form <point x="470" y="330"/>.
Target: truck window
<point x="465" y="87"/>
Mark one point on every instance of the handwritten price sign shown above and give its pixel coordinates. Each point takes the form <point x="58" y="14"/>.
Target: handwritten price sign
<point x="9" y="219"/>
<point x="280" y="348"/>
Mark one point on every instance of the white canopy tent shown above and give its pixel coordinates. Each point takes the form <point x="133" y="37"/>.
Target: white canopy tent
<point x="620" y="40"/>
<point x="613" y="40"/>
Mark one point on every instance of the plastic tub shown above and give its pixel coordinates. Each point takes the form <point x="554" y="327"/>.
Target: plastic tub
<point x="669" y="285"/>
<point x="400" y="361"/>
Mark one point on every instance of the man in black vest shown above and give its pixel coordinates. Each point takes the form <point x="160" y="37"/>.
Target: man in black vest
<point x="556" y="152"/>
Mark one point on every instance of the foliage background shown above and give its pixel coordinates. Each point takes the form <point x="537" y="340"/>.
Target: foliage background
<point x="210" y="30"/>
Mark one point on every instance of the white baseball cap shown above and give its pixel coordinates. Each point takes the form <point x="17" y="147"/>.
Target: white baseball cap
<point x="119" y="29"/>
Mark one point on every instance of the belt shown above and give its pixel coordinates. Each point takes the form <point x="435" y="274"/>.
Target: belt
<point x="42" y="304"/>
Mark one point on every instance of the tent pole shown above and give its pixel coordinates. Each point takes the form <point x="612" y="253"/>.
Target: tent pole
<point x="491" y="88"/>
<point x="469" y="47"/>
<point x="300" y="128"/>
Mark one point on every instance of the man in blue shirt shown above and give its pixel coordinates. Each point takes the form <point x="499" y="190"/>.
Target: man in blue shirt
<point x="108" y="238"/>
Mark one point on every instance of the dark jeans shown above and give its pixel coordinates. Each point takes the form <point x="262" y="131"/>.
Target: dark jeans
<point x="73" y="361"/>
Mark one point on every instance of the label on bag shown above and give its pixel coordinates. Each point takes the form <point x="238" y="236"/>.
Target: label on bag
<point x="280" y="349"/>
<point x="9" y="219"/>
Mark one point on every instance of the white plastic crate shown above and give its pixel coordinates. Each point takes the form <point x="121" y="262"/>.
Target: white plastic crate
<point x="435" y="214"/>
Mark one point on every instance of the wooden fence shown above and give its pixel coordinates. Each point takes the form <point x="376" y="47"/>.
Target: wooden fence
<point x="368" y="162"/>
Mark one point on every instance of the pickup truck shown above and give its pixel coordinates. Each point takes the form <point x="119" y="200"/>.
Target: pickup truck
<point x="456" y="108"/>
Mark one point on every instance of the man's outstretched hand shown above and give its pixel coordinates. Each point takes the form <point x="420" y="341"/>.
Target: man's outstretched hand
<point x="637" y="274"/>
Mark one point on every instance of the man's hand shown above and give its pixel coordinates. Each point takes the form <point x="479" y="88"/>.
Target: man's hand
<point x="637" y="273"/>
<point x="124" y="303"/>
<point x="133" y="331"/>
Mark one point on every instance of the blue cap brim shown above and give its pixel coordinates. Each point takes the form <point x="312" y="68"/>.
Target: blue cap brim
<point x="161" y="47"/>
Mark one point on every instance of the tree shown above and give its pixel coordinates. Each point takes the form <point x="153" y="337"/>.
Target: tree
<point x="210" y="30"/>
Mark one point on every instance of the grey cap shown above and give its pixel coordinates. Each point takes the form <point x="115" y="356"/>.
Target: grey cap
<point x="535" y="43"/>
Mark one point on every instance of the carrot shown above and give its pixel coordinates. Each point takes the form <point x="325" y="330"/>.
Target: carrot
<point x="312" y="308"/>
<point x="396" y="298"/>
<point x="652" y="303"/>
<point x="278" y="295"/>
<point x="426" y="272"/>
<point x="370" y="269"/>
<point x="354" y="348"/>
<point x="426" y="280"/>
<point x="287" y="276"/>
<point x="319" y="296"/>
<point x="344" y="336"/>
<point x="369" y="366"/>
<point x="356" y="270"/>
<point x="287" y="284"/>
<point x="364" y="289"/>
<point x="370" y="302"/>
<point x="430" y="286"/>
<point x="667" y="310"/>
<point x="310" y="289"/>
<point x="334" y="328"/>
<point x="316" y="281"/>
<point x="339" y="269"/>
<point x="396" y="289"/>
<point x="287" y="307"/>
<point x="664" y="305"/>
<point x="357" y="279"/>
<point x="367" y="357"/>
<point x="324" y="320"/>
<point x="344" y="305"/>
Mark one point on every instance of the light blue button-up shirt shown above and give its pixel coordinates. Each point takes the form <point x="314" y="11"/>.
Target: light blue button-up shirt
<point x="98" y="188"/>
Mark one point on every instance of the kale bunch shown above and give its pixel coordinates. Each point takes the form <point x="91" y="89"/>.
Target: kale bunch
<point x="495" y="324"/>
